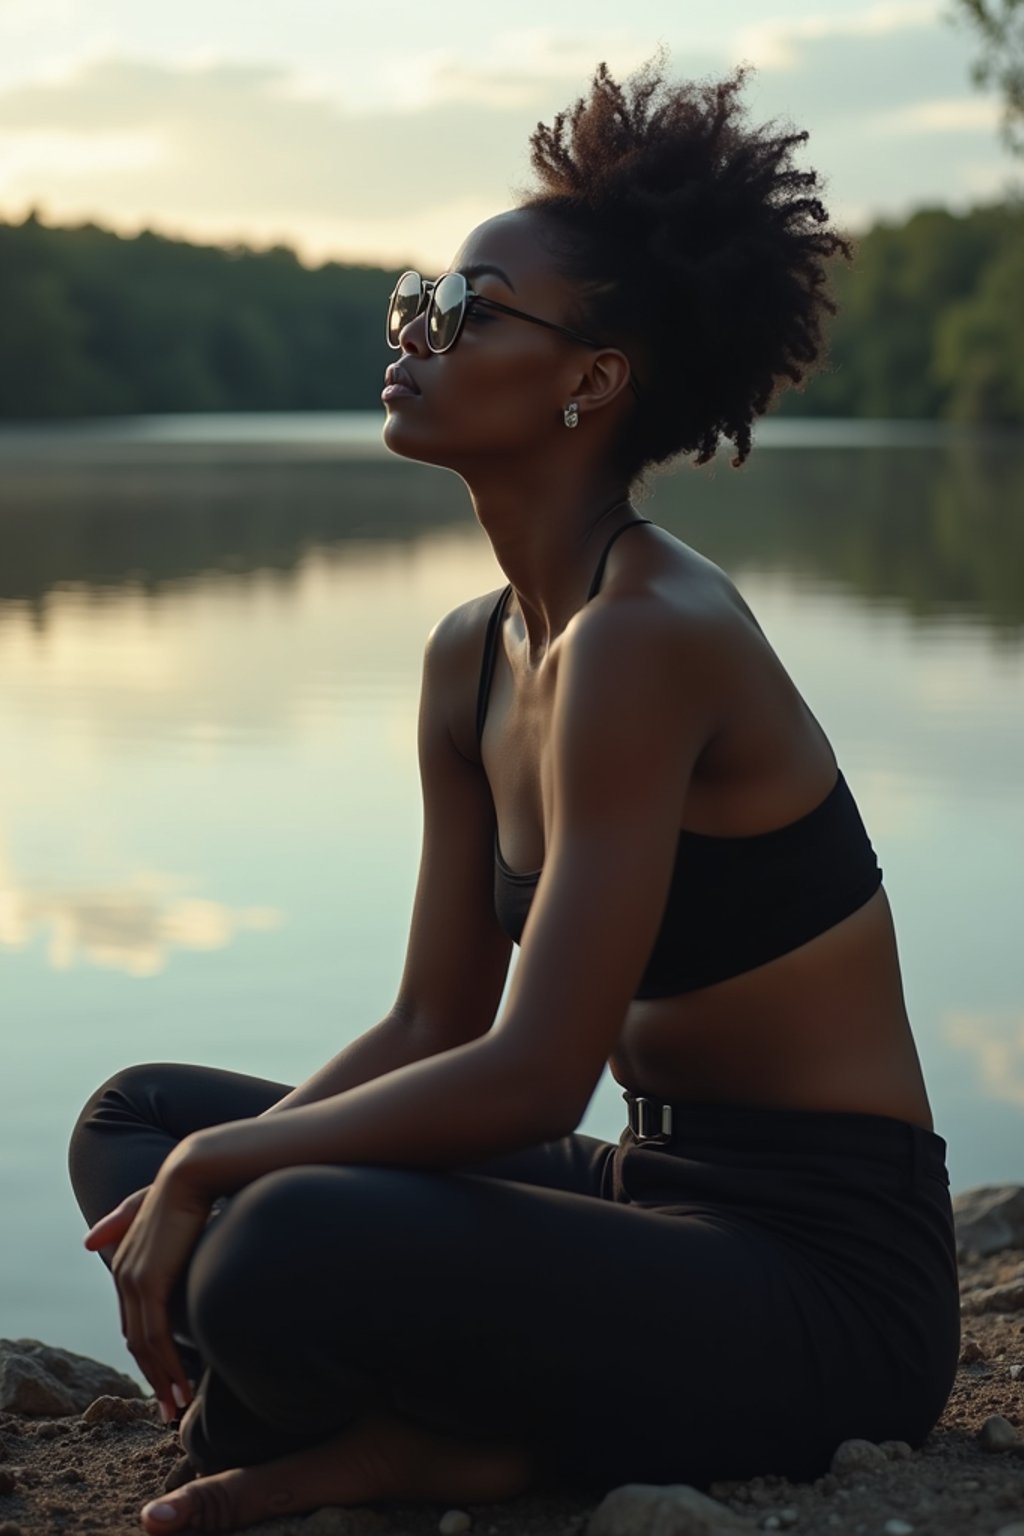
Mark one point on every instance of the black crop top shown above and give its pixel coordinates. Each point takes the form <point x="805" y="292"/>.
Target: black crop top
<point x="734" y="902"/>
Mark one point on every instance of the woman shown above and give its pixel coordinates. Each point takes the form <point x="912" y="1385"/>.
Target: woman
<point x="418" y="1281"/>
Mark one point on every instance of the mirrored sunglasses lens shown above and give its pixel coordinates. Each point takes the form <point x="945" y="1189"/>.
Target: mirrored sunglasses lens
<point x="445" y="313"/>
<point x="405" y="304"/>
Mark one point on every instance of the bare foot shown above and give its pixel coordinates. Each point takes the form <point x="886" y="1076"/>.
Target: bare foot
<point x="378" y="1458"/>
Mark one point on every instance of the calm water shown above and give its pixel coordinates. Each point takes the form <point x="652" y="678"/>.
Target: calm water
<point x="210" y="645"/>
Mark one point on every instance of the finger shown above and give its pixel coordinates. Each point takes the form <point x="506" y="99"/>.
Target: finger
<point x="109" y="1229"/>
<point x="157" y="1352"/>
<point x="113" y="1226"/>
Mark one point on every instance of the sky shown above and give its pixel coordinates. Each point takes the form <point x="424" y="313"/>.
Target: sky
<point x="385" y="133"/>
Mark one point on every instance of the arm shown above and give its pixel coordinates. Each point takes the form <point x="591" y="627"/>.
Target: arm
<point x="457" y="956"/>
<point x="623" y="747"/>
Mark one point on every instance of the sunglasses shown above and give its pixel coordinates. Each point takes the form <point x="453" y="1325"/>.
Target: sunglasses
<point x="448" y="300"/>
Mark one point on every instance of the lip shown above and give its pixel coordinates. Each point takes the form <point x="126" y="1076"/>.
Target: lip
<point x="398" y="381"/>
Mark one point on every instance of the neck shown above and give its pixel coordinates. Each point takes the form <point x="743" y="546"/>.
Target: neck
<point x="546" y="538"/>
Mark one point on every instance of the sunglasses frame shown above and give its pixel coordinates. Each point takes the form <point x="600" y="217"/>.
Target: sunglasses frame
<point x="470" y="296"/>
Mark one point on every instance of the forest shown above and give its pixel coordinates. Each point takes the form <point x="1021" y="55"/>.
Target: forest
<point x="94" y="323"/>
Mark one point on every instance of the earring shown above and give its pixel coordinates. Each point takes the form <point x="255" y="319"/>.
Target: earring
<point x="571" y="414"/>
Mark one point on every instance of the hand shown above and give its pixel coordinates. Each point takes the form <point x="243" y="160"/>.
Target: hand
<point x="156" y="1229"/>
<point x="112" y="1227"/>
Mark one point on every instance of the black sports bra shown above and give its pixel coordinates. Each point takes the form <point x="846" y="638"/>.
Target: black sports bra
<point x="734" y="902"/>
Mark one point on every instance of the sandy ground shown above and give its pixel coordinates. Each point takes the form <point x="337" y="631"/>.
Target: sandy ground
<point x="72" y="1475"/>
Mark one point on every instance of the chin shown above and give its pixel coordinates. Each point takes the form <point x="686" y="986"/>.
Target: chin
<point x="400" y="436"/>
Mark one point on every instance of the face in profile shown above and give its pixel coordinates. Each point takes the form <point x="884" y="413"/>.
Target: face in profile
<point x="501" y="389"/>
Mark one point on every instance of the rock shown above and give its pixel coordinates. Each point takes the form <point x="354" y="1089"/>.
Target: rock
<point x="989" y="1219"/>
<point x="788" y="1516"/>
<point x="1016" y="1372"/>
<point x="1016" y="1529"/>
<point x="675" y="1509"/>
<point x="896" y="1450"/>
<point x="1008" y="1297"/>
<point x="454" y="1522"/>
<point x="857" y="1456"/>
<point x="897" y="1528"/>
<point x="998" y="1434"/>
<point x="8" y="1528"/>
<point x="46" y="1381"/>
<point x="970" y="1352"/>
<point x="8" y="1481"/>
<point x="117" y="1410"/>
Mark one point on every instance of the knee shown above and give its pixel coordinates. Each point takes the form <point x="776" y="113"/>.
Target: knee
<point x="243" y="1253"/>
<point x="125" y="1099"/>
<point x="267" y="1248"/>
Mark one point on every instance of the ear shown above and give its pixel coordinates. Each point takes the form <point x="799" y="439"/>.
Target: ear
<point x="602" y="381"/>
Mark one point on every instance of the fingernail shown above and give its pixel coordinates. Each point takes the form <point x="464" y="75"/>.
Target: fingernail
<point x="177" y="1394"/>
<point x="165" y="1412"/>
<point x="160" y="1511"/>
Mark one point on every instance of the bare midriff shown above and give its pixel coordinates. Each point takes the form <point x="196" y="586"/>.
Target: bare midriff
<point x="824" y="1027"/>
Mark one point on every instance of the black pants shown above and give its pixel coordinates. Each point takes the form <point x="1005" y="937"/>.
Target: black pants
<point x="736" y="1302"/>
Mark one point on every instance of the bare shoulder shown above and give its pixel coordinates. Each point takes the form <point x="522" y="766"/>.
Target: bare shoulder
<point x="452" y="660"/>
<point x="664" y="613"/>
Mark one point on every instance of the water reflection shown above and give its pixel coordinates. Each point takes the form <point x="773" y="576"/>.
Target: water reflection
<point x="996" y="1042"/>
<point x="932" y="530"/>
<point x="130" y="929"/>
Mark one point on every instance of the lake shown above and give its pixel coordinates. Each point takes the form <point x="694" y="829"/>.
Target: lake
<point x="211" y="633"/>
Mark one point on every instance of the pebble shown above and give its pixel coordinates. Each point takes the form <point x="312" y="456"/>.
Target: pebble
<point x="454" y="1522"/>
<point x="971" y="1351"/>
<point x="897" y="1528"/>
<point x="997" y="1434"/>
<point x="896" y="1450"/>
<point x="1016" y="1529"/>
<point x="857" y="1456"/>
<point x="673" y="1509"/>
<point x="115" y="1410"/>
<point x="1016" y="1372"/>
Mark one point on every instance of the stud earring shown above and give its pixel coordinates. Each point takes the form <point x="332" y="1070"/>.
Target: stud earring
<point x="571" y="414"/>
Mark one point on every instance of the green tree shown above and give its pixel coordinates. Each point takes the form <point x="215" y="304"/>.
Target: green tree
<point x="1000" y="25"/>
<point x="979" y="359"/>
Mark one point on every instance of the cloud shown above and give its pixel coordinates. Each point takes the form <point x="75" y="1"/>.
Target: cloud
<point x="259" y="152"/>
<point x="781" y="44"/>
<point x="947" y="116"/>
<point x="515" y="69"/>
<point x="234" y="148"/>
<point x="996" y="1041"/>
<point x="132" y="928"/>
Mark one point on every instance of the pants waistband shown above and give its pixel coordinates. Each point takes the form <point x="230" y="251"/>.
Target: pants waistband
<point x="678" y="1126"/>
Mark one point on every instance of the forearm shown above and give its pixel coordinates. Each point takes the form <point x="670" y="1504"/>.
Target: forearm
<point x="453" y="1109"/>
<point x="394" y="1042"/>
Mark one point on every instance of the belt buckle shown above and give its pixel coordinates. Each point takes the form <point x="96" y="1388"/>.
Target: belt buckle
<point x="651" y="1113"/>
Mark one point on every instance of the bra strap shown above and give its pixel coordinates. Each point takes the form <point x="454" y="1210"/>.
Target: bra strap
<point x="599" y="573"/>
<point x="489" y="657"/>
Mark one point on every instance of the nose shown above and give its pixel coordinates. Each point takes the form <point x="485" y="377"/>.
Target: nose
<point x="413" y="335"/>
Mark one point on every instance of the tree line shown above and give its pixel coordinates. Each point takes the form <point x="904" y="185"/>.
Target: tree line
<point x="94" y="323"/>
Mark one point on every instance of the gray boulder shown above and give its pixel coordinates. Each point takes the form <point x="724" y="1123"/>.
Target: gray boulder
<point x="49" y="1382"/>
<point x="989" y="1219"/>
<point x="675" y="1509"/>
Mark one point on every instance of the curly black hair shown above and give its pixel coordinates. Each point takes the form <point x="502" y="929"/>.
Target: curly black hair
<point x="691" y="241"/>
